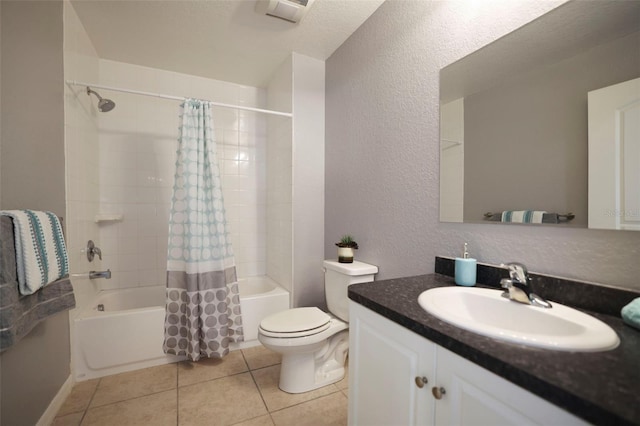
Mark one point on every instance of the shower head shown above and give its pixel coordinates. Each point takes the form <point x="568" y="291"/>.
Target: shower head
<point x="104" y="105"/>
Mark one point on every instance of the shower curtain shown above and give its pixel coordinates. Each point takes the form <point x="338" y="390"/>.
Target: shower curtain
<point x="202" y="301"/>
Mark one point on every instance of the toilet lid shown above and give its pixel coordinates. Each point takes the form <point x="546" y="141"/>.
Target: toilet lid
<point x="295" y="320"/>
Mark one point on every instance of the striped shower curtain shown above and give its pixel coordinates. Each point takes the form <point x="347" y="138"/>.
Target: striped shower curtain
<point x="202" y="301"/>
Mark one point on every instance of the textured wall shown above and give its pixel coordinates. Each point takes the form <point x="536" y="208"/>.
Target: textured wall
<point x="382" y="150"/>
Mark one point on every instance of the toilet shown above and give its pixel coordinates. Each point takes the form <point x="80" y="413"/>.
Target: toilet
<point x="314" y="344"/>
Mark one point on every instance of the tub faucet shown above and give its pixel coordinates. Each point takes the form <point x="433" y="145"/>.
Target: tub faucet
<point x="518" y="286"/>
<point x="100" y="274"/>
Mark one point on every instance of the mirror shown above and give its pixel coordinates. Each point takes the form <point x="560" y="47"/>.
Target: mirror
<point x="514" y="115"/>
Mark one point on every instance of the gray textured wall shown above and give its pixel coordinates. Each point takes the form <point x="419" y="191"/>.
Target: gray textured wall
<point x="33" y="177"/>
<point x="382" y="150"/>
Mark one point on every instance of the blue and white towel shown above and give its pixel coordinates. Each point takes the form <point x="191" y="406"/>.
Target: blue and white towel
<point x="523" y="216"/>
<point x="41" y="254"/>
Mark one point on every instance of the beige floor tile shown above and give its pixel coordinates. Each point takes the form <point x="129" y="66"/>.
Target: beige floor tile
<point x="328" y="410"/>
<point x="79" y="398"/>
<point x="210" y="368"/>
<point x="258" y="421"/>
<point x="260" y="357"/>
<point x="222" y="401"/>
<point x="344" y="383"/>
<point x="159" y="409"/>
<point x="133" y="384"/>
<point x="68" y="420"/>
<point x="267" y="380"/>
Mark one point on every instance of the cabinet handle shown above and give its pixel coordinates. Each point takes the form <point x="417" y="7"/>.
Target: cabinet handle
<point x="438" y="392"/>
<point x="421" y="381"/>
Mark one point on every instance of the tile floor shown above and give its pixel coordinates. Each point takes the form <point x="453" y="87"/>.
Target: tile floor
<point x="241" y="389"/>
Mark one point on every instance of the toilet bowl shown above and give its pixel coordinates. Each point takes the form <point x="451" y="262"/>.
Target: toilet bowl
<point x="314" y="344"/>
<point x="311" y="357"/>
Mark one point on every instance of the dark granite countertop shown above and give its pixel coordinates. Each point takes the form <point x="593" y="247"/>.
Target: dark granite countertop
<point x="600" y="387"/>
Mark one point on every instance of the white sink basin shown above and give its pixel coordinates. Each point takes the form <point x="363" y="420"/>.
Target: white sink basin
<point x="485" y="312"/>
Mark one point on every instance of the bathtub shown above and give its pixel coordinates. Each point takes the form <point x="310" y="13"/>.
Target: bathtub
<point x="127" y="335"/>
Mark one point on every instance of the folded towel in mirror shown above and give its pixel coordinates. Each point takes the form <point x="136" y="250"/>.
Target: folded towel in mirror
<point x="523" y="216"/>
<point x="631" y="313"/>
<point x="41" y="254"/>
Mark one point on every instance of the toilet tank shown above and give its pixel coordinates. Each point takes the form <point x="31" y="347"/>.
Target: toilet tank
<point x="337" y="277"/>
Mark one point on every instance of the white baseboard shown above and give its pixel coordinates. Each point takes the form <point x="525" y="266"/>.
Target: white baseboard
<point x="56" y="403"/>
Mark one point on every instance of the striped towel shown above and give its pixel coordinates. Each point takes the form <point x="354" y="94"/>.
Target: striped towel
<point x="523" y="216"/>
<point x="41" y="254"/>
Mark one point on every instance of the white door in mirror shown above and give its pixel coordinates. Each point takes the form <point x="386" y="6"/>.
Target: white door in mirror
<point x="614" y="156"/>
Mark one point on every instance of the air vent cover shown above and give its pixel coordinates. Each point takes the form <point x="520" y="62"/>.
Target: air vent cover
<point x="289" y="10"/>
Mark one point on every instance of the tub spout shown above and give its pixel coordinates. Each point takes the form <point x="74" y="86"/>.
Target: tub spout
<point x="100" y="274"/>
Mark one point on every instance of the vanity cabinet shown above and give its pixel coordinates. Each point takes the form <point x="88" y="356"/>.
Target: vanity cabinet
<point x="397" y="377"/>
<point x="391" y="371"/>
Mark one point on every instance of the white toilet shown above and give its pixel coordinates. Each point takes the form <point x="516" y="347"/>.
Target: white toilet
<point x="314" y="344"/>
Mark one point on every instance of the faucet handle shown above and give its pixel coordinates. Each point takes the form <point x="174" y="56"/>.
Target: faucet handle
<point x="517" y="271"/>
<point x="92" y="251"/>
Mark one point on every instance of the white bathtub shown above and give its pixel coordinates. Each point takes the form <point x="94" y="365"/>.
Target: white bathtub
<point x="128" y="334"/>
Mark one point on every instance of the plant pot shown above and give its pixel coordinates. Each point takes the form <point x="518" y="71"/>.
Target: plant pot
<point x="345" y="254"/>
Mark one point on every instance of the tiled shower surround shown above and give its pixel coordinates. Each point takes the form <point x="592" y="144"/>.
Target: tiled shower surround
<point x="122" y="163"/>
<point x="137" y="143"/>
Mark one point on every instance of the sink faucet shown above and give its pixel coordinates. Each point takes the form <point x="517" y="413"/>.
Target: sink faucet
<point x="518" y="286"/>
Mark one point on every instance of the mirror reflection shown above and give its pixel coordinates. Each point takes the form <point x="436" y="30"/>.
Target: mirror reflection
<point x="514" y="119"/>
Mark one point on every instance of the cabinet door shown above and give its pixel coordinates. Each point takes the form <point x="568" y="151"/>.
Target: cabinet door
<point x="475" y="396"/>
<point x="384" y="361"/>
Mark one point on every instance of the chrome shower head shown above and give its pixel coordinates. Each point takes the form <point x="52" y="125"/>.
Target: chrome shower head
<point x="104" y="105"/>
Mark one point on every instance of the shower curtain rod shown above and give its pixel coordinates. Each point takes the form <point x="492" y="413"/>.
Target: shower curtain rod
<point x="176" y="98"/>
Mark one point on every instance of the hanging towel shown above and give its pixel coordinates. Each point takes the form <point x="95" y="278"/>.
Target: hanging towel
<point x="20" y="314"/>
<point x="41" y="254"/>
<point x="631" y="313"/>
<point x="523" y="216"/>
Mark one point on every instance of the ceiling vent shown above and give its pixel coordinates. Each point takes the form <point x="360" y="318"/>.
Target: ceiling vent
<point x="289" y="10"/>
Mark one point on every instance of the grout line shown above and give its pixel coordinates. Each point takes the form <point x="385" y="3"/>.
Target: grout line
<point x="260" y="393"/>
<point x="246" y="363"/>
<point x="84" y="413"/>
<point x="134" y="398"/>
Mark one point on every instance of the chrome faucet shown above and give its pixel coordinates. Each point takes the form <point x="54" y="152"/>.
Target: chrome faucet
<point x="100" y="274"/>
<point x="518" y="286"/>
<point x="92" y="251"/>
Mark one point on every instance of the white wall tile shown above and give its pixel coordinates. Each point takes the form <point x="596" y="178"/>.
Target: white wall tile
<point x="137" y="147"/>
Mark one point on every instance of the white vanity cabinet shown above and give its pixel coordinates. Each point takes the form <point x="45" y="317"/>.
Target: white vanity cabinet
<point x="388" y="364"/>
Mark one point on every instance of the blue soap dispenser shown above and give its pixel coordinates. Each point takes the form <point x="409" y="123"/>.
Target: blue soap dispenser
<point x="465" y="271"/>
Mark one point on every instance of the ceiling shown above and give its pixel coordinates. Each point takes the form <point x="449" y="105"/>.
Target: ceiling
<point x="220" y="39"/>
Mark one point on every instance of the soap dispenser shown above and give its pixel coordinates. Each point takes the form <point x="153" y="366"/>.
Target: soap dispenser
<point x="465" y="270"/>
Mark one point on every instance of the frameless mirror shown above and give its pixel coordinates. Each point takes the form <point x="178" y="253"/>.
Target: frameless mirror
<point x="514" y="120"/>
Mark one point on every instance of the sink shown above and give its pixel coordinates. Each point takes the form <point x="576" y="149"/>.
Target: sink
<point x="485" y="311"/>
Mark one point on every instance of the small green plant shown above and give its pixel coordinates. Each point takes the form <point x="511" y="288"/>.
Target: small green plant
<point x="347" y="241"/>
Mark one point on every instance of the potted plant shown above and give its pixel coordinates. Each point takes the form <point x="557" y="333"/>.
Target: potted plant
<point x="345" y="249"/>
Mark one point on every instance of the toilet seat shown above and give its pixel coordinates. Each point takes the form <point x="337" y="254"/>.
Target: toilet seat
<point x="298" y="322"/>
